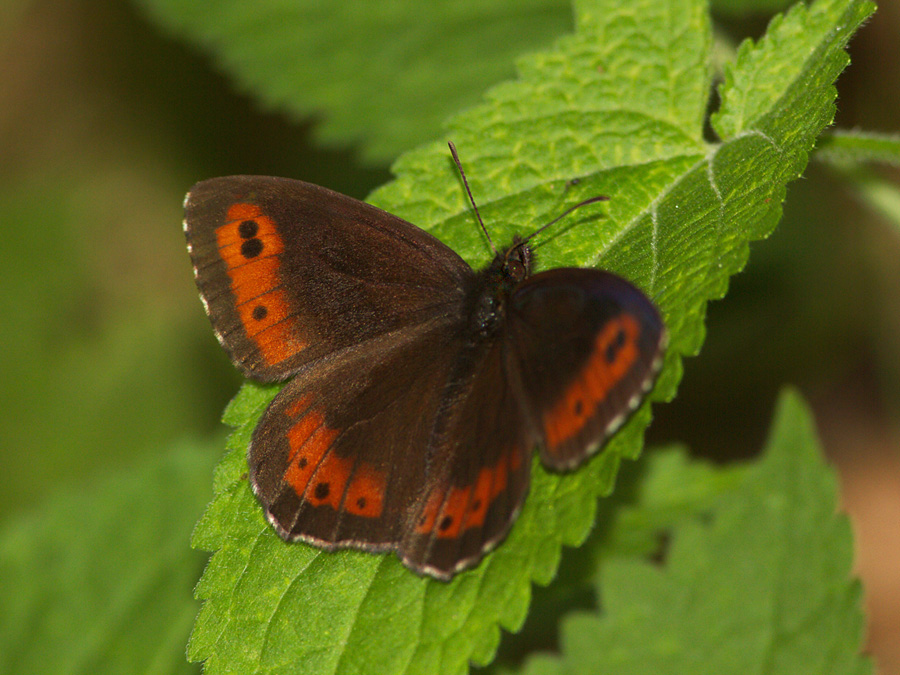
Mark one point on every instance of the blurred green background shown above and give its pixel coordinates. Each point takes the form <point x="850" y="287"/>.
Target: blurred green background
<point x="106" y="356"/>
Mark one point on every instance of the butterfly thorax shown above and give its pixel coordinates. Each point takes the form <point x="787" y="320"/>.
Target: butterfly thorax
<point x="493" y="285"/>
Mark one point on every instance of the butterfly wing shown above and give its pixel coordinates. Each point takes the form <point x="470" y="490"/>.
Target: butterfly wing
<point x="340" y="454"/>
<point x="290" y="272"/>
<point x="479" y="468"/>
<point x="411" y="448"/>
<point x="366" y="312"/>
<point x="579" y="350"/>
<point x="587" y="346"/>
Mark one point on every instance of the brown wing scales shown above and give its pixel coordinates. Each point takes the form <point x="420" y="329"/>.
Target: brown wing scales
<point x="290" y="272"/>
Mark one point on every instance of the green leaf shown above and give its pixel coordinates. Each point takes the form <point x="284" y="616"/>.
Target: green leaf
<point x="619" y="106"/>
<point x="765" y="88"/>
<point x="661" y="489"/>
<point x="762" y="585"/>
<point x="847" y="152"/>
<point x="99" y="581"/>
<point x="669" y="488"/>
<point x="845" y="147"/>
<point x="381" y="74"/>
<point x="739" y="8"/>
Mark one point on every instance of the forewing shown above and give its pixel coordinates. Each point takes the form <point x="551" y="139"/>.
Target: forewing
<point x="587" y="346"/>
<point x="289" y="271"/>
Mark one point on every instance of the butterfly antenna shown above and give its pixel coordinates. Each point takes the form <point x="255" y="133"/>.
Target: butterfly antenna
<point x="469" y="192"/>
<point x="592" y="200"/>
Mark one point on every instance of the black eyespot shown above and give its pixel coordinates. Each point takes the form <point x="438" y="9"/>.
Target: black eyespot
<point x="612" y="349"/>
<point x="611" y="352"/>
<point x="251" y="248"/>
<point x="248" y="229"/>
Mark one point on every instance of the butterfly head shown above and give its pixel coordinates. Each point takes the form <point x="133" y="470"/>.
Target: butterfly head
<point x="514" y="264"/>
<point x="493" y="285"/>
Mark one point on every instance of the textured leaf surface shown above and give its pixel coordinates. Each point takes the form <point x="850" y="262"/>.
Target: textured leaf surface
<point x="619" y="106"/>
<point x="100" y="581"/>
<point x="761" y="586"/>
<point x="383" y="74"/>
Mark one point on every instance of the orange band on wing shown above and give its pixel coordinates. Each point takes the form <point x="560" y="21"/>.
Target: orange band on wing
<point x="329" y="481"/>
<point x="615" y="351"/>
<point x="365" y="495"/>
<point x="251" y="247"/>
<point x="299" y="405"/>
<point x="309" y="440"/>
<point x="466" y="507"/>
<point x="244" y="212"/>
<point x="430" y="512"/>
<point x="322" y="477"/>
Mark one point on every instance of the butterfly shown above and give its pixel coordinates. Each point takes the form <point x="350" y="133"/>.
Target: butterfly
<point x="417" y="387"/>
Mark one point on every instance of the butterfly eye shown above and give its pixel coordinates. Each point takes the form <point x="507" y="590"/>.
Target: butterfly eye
<point x="515" y="269"/>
